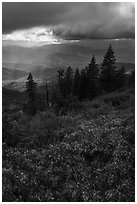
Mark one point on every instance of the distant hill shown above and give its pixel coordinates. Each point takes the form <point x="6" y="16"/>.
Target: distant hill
<point x="12" y="74"/>
<point x="128" y="66"/>
<point x="51" y="56"/>
<point x="17" y="81"/>
<point x="44" y="74"/>
<point x="61" y="55"/>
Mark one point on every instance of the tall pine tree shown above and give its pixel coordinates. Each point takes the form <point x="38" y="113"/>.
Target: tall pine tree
<point x="92" y="78"/>
<point x="61" y="81"/>
<point x="76" y="83"/>
<point x="68" y="81"/>
<point x="31" y="92"/>
<point x="83" y="85"/>
<point x="108" y="71"/>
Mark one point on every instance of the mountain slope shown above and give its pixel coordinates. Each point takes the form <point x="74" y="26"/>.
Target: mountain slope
<point x="74" y="54"/>
<point x="128" y="66"/>
<point x="88" y="156"/>
<point x="12" y="74"/>
<point x="46" y="56"/>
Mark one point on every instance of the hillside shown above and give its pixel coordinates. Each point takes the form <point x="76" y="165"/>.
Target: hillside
<point x="12" y="74"/>
<point x="68" y="102"/>
<point x="55" y="55"/>
<point x="86" y="156"/>
<point x="128" y="66"/>
<point x="46" y="56"/>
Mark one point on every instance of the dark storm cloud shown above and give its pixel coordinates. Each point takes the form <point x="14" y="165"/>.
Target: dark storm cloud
<point x="24" y="15"/>
<point x="72" y="20"/>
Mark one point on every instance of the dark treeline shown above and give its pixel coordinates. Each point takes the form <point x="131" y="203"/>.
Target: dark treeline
<point x="86" y="84"/>
<point x="92" y="80"/>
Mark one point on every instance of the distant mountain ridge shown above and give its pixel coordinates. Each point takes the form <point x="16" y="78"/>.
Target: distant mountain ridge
<point x="46" y="56"/>
<point x="76" y="55"/>
<point x="128" y="66"/>
<point x="47" y="72"/>
<point x="12" y="74"/>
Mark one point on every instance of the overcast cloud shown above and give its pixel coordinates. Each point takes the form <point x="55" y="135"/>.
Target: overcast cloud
<point x="72" y="20"/>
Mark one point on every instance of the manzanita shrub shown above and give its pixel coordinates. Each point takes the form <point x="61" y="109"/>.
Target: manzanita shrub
<point x="88" y="156"/>
<point x="93" y="163"/>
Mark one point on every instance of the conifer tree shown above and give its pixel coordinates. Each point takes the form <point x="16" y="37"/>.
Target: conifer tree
<point x="68" y="81"/>
<point x="61" y="81"/>
<point x="92" y="78"/>
<point x="76" y="83"/>
<point x="47" y="94"/>
<point x="31" y="92"/>
<point x="108" y="71"/>
<point x="83" y="85"/>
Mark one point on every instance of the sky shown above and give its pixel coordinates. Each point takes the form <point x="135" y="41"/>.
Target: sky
<point x="38" y="23"/>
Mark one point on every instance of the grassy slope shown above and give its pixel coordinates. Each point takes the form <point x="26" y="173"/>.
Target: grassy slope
<point x="94" y="160"/>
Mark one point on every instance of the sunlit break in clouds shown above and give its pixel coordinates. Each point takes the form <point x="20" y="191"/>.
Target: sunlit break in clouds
<point x="36" y="36"/>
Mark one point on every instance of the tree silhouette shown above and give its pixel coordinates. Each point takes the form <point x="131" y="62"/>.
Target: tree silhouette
<point x="61" y="81"/>
<point x="31" y="92"/>
<point x="68" y="81"/>
<point x="76" y="83"/>
<point x="83" y="85"/>
<point x="47" y="94"/>
<point x="92" y="78"/>
<point x="108" y="73"/>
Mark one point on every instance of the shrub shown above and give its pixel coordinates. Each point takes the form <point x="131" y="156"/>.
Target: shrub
<point x="45" y="126"/>
<point x="86" y="157"/>
<point x="10" y="132"/>
<point x="95" y="105"/>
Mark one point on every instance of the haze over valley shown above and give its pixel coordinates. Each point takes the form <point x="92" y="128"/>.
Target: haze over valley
<point x="44" y="61"/>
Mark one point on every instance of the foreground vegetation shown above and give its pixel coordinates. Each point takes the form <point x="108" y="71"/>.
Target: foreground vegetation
<point x="86" y="154"/>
